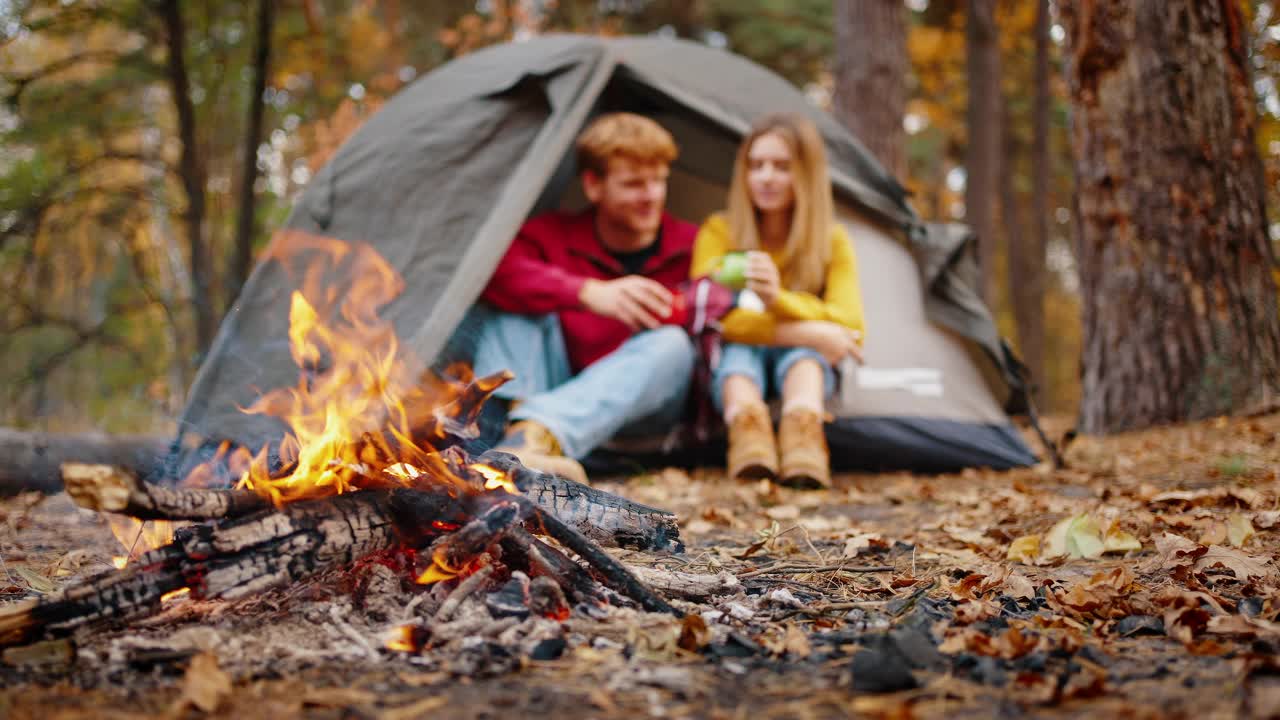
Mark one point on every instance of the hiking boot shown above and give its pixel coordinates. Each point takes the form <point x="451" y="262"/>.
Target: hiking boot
<point x="753" y="454"/>
<point x="538" y="449"/>
<point x="806" y="462"/>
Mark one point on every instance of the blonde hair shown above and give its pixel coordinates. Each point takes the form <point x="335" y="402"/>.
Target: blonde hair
<point x="808" y="249"/>
<point x="624" y="135"/>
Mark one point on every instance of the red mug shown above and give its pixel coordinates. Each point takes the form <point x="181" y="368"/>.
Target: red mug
<point x="679" y="312"/>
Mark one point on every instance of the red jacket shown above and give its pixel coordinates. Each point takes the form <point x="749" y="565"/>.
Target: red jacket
<point x="554" y="254"/>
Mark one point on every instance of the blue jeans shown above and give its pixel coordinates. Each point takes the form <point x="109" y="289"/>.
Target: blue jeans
<point x="760" y="364"/>
<point x="638" y="389"/>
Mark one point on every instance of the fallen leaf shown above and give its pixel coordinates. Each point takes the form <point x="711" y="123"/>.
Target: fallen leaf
<point x="859" y="542"/>
<point x="968" y="536"/>
<point x="35" y="580"/>
<point x="1019" y="586"/>
<point x="1075" y="537"/>
<point x="1239" y="530"/>
<point x="788" y="640"/>
<point x="694" y="633"/>
<point x="1118" y="540"/>
<point x="1249" y="496"/>
<point x="1214" y="534"/>
<point x="796" y="642"/>
<point x="1244" y="566"/>
<point x="1105" y="595"/>
<point x="1024" y="550"/>
<point x="1173" y="552"/>
<point x="1240" y="625"/>
<point x="205" y="686"/>
<point x="972" y="611"/>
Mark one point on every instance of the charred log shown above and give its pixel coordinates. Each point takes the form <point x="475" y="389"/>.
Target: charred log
<point x="232" y="560"/>
<point x="603" y="517"/>
<point x="112" y="489"/>
<point x="239" y="556"/>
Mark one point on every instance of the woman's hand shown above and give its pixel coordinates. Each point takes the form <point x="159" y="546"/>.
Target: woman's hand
<point x="834" y="341"/>
<point x="762" y="277"/>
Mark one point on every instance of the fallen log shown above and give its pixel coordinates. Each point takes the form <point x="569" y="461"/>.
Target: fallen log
<point x="237" y="556"/>
<point x="112" y="489"/>
<point x="242" y="556"/>
<point x="33" y="460"/>
<point x="601" y="516"/>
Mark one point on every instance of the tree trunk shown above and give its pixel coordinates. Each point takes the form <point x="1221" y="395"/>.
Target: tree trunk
<point x="192" y="172"/>
<point x="247" y="206"/>
<point x="871" y="72"/>
<point x="1027" y="249"/>
<point x="1179" y="303"/>
<point x="983" y="122"/>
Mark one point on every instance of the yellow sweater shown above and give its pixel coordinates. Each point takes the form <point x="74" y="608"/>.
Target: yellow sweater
<point x="841" y="300"/>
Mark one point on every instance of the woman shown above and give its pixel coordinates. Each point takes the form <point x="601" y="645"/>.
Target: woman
<point x="801" y="266"/>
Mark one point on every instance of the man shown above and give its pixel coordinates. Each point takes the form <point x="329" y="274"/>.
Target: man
<point x="577" y="304"/>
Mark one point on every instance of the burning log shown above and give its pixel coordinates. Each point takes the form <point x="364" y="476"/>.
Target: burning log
<point x="271" y="547"/>
<point x="111" y="489"/>
<point x="603" y="517"/>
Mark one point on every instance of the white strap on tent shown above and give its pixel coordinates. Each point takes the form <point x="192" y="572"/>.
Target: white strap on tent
<point x="921" y="381"/>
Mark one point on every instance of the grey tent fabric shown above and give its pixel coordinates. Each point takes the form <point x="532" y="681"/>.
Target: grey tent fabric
<point x="440" y="179"/>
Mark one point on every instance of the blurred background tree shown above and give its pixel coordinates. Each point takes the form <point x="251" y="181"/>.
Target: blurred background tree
<point x="131" y="208"/>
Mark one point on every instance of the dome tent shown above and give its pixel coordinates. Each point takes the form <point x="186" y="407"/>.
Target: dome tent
<point x="440" y="179"/>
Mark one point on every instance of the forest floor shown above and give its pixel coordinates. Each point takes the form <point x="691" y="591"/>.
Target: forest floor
<point x="1140" y="581"/>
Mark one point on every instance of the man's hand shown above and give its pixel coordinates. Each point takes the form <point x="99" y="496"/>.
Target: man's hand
<point x="833" y="340"/>
<point x="762" y="277"/>
<point x="636" y="301"/>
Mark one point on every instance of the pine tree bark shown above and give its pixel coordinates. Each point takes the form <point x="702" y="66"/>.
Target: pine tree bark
<point x="983" y="121"/>
<point x="1179" y="305"/>
<point x="192" y="172"/>
<point x="1027" y="249"/>
<point x="871" y="71"/>
<point x="247" y="205"/>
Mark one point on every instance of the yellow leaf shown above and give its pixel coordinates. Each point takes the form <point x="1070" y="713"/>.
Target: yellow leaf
<point x="1120" y="541"/>
<point x="1055" y="541"/>
<point x="1075" y="537"/>
<point x="1239" y="530"/>
<point x="1024" y="550"/>
<point x="1084" y="538"/>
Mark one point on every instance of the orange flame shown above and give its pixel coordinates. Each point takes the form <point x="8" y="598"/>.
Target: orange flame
<point x="175" y="594"/>
<point x="438" y="571"/>
<point x="360" y="412"/>
<point x="406" y="638"/>
<point x="495" y="478"/>
<point x="138" y="537"/>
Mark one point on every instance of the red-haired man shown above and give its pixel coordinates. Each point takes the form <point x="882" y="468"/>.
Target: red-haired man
<point x="575" y="307"/>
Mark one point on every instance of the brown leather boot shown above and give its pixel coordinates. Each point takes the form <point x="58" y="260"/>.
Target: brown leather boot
<point x="806" y="461"/>
<point x="537" y="448"/>
<point x="753" y="454"/>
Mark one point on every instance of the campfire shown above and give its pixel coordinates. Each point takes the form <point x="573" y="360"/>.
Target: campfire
<point x="372" y="470"/>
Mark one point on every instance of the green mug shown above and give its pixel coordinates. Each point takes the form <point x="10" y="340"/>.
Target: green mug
<point x="731" y="270"/>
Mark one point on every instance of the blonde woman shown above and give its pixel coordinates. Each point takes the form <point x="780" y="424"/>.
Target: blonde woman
<point x="801" y="266"/>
